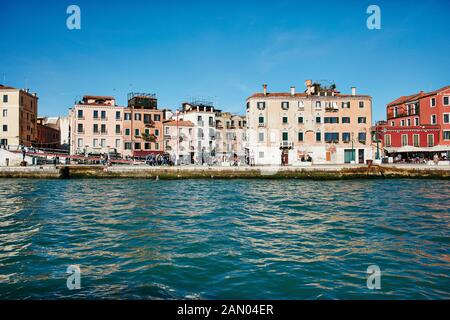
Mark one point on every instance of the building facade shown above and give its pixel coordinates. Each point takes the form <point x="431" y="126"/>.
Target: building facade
<point x="48" y="133"/>
<point x="230" y="136"/>
<point x="417" y="123"/>
<point x="203" y="116"/>
<point x="321" y="126"/>
<point x="143" y="126"/>
<point x="179" y="140"/>
<point x="18" y="115"/>
<point x="96" y="126"/>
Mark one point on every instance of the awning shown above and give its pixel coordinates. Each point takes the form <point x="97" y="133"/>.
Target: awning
<point x="143" y="153"/>
<point x="438" y="148"/>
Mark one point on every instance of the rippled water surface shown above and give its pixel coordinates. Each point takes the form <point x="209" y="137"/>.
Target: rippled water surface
<point x="229" y="239"/>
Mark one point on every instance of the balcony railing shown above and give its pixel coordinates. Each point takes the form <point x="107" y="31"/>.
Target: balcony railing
<point x="286" y="144"/>
<point x="261" y="125"/>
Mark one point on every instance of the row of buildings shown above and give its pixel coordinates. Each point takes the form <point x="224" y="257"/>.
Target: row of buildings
<point x="317" y="125"/>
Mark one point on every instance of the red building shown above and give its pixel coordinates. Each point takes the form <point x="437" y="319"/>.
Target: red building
<point x="418" y="123"/>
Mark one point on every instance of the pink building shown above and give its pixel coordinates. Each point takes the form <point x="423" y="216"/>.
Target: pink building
<point x="96" y="126"/>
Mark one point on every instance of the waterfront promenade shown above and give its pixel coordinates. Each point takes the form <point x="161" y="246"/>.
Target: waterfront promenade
<point x="318" y="172"/>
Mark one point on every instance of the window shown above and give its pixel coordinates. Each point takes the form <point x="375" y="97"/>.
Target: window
<point x="261" y="137"/>
<point x="117" y="115"/>
<point x="103" y="114"/>
<point x="345" y="119"/>
<point x="402" y="123"/>
<point x="127" y="116"/>
<point x="416" y="121"/>
<point x="261" y="154"/>
<point x="95" y="114"/>
<point x="261" y="105"/>
<point x="95" y="128"/>
<point x="346" y="136"/>
<point x="147" y="131"/>
<point x="5" y="98"/>
<point x="416" y="140"/>
<point x="362" y="137"/>
<point x="211" y="121"/>
<point x="117" y="143"/>
<point x="446" y="117"/>
<point x="147" y="118"/>
<point x="361" y="104"/>
<point x="80" y="114"/>
<point x="5" y="128"/>
<point x="285" y="105"/>
<point x="404" y="140"/>
<point x="103" y="128"/>
<point x="446" y="135"/>
<point x="285" y="119"/>
<point x="361" y="119"/>
<point x="300" y="119"/>
<point x="127" y="145"/>
<point x="387" y="140"/>
<point x="5" y="112"/>
<point x="395" y="112"/>
<point x="80" y="143"/>
<point x="318" y="105"/>
<point x="433" y="102"/>
<point x="157" y="145"/>
<point x="331" y="120"/>
<point x="285" y="136"/>
<point x="261" y="120"/>
<point x="318" y="119"/>
<point x="138" y="117"/>
<point x="118" y="131"/>
<point x="95" y="143"/>
<point x="157" y="117"/>
<point x="80" y="128"/>
<point x="300" y="105"/>
<point x="127" y="132"/>
<point x="430" y="140"/>
<point x="318" y="136"/>
<point x="408" y="122"/>
<point x="137" y="146"/>
<point x="346" y="105"/>
<point x="446" y="101"/>
<point x="137" y="133"/>
<point x="433" y="119"/>
<point x="300" y="136"/>
<point x="331" y="137"/>
<point x="147" y="146"/>
<point x="156" y="132"/>
<point x="103" y="143"/>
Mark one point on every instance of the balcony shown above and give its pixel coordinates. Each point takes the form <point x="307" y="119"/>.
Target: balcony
<point x="286" y="145"/>
<point x="261" y="125"/>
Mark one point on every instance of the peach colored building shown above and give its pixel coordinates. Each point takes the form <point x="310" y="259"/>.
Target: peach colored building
<point x="179" y="140"/>
<point x="96" y="126"/>
<point x="18" y="114"/>
<point x="143" y="126"/>
<point x="320" y="124"/>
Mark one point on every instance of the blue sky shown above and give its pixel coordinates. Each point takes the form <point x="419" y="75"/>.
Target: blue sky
<point x="221" y="49"/>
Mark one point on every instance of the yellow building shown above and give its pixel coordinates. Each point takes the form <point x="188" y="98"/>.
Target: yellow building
<point x="18" y="113"/>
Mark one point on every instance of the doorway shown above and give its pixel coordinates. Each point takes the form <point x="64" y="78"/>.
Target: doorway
<point x="361" y="155"/>
<point x="284" y="157"/>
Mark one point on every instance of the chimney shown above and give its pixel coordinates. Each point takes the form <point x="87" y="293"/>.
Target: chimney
<point x="292" y="91"/>
<point x="353" y="91"/>
<point x="265" y="89"/>
<point x="308" y="84"/>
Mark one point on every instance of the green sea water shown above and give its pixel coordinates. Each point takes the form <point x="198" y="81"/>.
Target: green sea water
<point x="224" y="239"/>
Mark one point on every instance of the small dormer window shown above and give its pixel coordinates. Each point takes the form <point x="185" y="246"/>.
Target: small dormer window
<point x="285" y="105"/>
